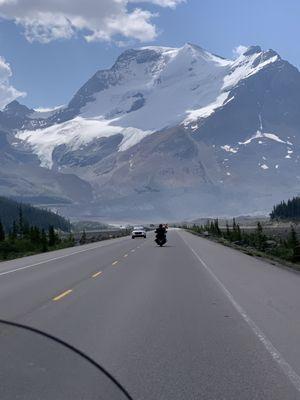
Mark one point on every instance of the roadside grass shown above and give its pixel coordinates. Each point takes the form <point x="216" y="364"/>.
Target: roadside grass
<point x="23" y="248"/>
<point x="281" y="255"/>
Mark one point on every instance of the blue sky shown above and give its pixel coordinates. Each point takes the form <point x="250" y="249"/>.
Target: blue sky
<point x="51" y="72"/>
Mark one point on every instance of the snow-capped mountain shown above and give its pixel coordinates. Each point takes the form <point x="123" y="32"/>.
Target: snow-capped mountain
<point x="147" y="90"/>
<point x="202" y="133"/>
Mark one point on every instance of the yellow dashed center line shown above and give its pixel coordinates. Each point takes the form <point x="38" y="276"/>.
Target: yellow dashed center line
<point x="62" y="295"/>
<point x="115" y="263"/>
<point x="97" y="274"/>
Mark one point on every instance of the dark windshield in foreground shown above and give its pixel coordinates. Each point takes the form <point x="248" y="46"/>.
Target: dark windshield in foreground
<point x="35" y="366"/>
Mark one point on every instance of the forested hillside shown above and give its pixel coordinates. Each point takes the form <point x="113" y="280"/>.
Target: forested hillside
<point x="287" y="210"/>
<point x="42" y="219"/>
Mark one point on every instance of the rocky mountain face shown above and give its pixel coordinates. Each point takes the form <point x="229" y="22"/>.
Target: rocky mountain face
<point x="165" y="133"/>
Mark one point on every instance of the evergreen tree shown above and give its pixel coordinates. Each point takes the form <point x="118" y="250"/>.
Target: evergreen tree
<point x="35" y="235"/>
<point x="227" y="230"/>
<point x="44" y="241"/>
<point x="14" y="232"/>
<point x="238" y="232"/>
<point x="233" y="224"/>
<point x="21" y="222"/>
<point x="24" y="237"/>
<point x="52" y="236"/>
<point x="234" y="231"/>
<point x="259" y="228"/>
<point x="11" y="210"/>
<point x="26" y="228"/>
<point x="71" y="239"/>
<point x="2" y="233"/>
<point x="259" y="237"/>
<point x="207" y="226"/>
<point x="292" y="241"/>
<point x="287" y="210"/>
<point x="83" y="237"/>
<point x="217" y="230"/>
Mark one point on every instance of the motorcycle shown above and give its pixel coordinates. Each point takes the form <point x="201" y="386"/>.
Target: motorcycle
<point x="161" y="237"/>
<point x="161" y="241"/>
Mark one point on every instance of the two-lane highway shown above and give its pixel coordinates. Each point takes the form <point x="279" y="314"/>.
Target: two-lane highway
<point x="192" y="320"/>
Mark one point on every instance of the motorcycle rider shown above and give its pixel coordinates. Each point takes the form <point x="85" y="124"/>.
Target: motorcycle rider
<point x="161" y="233"/>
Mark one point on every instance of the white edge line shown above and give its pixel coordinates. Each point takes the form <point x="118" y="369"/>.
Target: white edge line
<point x="49" y="260"/>
<point x="277" y="357"/>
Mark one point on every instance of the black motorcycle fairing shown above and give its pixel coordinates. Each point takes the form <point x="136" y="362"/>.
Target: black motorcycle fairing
<point x="36" y="365"/>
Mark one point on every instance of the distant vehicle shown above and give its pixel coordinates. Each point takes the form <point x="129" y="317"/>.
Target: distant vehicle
<point x="138" y="231"/>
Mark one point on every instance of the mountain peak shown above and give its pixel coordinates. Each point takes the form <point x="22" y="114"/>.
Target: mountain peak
<point x="194" y="47"/>
<point x="17" y="108"/>
<point x="152" y="54"/>
<point x="252" y="50"/>
<point x="271" y="53"/>
<point x="140" y="56"/>
<point x="256" y="56"/>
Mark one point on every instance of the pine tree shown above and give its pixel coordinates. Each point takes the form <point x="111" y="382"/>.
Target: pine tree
<point x="71" y="239"/>
<point x="233" y="224"/>
<point x="52" y="236"/>
<point x="31" y="234"/>
<point x="238" y="232"/>
<point x="286" y="210"/>
<point x="21" y="222"/>
<point x="26" y="228"/>
<point x="14" y="232"/>
<point x="292" y="239"/>
<point x="44" y="241"/>
<point x="259" y="237"/>
<point x="234" y="230"/>
<point x="227" y="230"/>
<point x="83" y="237"/>
<point x="35" y="235"/>
<point x="2" y="233"/>
<point x="217" y="230"/>
<point x="207" y="226"/>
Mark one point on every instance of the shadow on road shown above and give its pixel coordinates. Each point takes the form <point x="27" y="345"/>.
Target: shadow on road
<point x="164" y="246"/>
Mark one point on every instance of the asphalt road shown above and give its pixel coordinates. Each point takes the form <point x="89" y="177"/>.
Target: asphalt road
<point x="192" y="320"/>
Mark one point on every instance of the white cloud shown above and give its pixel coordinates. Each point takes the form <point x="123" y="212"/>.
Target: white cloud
<point x="162" y="3"/>
<point x="239" y="50"/>
<point x="49" y="20"/>
<point x="47" y="109"/>
<point x="7" y="92"/>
